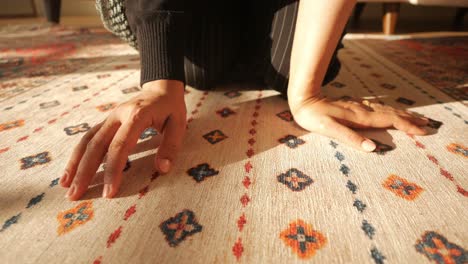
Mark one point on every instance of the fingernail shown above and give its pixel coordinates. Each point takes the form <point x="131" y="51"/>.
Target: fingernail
<point x="71" y="191"/>
<point x="107" y="190"/>
<point x="64" y="178"/>
<point x="368" y="145"/>
<point x="164" y="165"/>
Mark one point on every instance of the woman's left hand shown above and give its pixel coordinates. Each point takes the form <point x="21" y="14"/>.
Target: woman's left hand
<point x="335" y="118"/>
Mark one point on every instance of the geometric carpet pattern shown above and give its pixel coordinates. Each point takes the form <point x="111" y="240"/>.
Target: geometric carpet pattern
<point x="249" y="185"/>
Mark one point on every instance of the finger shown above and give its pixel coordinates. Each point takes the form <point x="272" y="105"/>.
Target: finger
<point x="330" y="127"/>
<point x="414" y="118"/>
<point x="92" y="158"/>
<point x="351" y="105"/>
<point x="351" y="116"/>
<point x="77" y="154"/>
<point x="124" y="141"/>
<point x="404" y="122"/>
<point x="381" y="107"/>
<point x="173" y="136"/>
<point x="357" y="116"/>
<point x="408" y="127"/>
<point x="416" y="114"/>
<point x="377" y="119"/>
<point x="418" y="121"/>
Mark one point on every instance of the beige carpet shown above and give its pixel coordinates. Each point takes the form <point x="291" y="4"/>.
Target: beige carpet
<point x="250" y="186"/>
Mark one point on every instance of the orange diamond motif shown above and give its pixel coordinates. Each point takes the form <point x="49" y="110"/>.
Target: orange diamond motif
<point x="303" y="240"/>
<point x="72" y="218"/>
<point x="11" y="125"/>
<point x="458" y="149"/>
<point x="402" y="187"/>
<point x="439" y="249"/>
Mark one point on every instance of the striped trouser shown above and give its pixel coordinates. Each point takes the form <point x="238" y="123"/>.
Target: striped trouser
<point x="255" y="48"/>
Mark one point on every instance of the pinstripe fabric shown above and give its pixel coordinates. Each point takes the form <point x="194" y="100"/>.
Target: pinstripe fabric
<point x="277" y="79"/>
<point x="210" y="53"/>
<point x="259" y="52"/>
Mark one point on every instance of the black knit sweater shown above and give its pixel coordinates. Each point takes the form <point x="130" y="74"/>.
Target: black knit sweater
<point x="161" y="28"/>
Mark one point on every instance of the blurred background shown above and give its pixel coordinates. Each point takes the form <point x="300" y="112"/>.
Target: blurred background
<point x="411" y="18"/>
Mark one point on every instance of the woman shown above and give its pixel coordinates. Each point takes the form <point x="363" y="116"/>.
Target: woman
<point x="288" y="45"/>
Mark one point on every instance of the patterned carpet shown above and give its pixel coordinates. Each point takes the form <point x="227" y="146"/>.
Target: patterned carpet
<point x="249" y="186"/>
<point x="442" y="62"/>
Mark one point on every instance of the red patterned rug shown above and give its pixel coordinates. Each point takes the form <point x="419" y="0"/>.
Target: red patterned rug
<point x="33" y="56"/>
<point x="442" y="62"/>
<point x="249" y="185"/>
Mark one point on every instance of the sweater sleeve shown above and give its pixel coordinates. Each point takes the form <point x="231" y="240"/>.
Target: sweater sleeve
<point x="159" y="26"/>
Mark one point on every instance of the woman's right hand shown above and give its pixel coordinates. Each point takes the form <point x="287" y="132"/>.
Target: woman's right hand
<point x="160" y="105"/>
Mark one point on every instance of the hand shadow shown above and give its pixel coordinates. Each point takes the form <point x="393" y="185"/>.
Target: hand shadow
<point x="135" y="177"/>
<point x="433" y="126"/>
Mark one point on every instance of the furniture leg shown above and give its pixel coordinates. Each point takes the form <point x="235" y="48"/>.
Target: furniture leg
<point x="459" y="16"/>
<point x="52" y="10"/>
<point x="390" y="17"/>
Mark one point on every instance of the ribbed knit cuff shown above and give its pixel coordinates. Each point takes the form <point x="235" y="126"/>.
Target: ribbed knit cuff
<point x="161" y="44"/>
